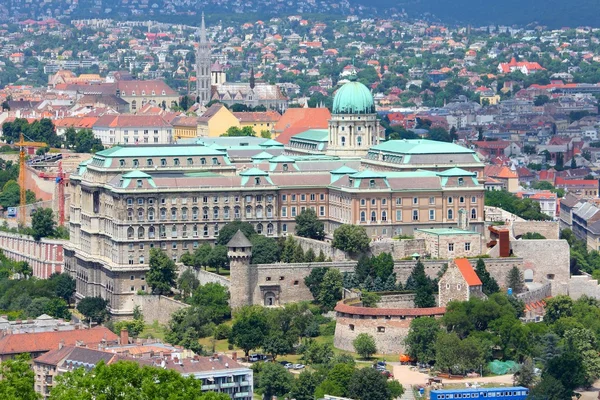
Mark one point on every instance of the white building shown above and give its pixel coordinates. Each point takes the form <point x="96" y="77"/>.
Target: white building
<point x="133" y="129"/>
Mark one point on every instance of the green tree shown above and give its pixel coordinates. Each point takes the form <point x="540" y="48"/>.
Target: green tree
<point x="369" y="384"/>
<point x="187" y="283"/>
<point x="515" y="280"/>
<point x="304" y="387"/>
<point x="533" y="235"/>
<point x="231" y="228"/>
<point x="364" y="345"/>
<point x="314" y="279"/>
<point x="217" y="258"/>
<point x="42" y="223"/>
<point x="421" y="339"/>
<point x="383" y="265"/>
<point x="274" y="380"/>
<point x="370" y="299"/>
<point x="18" y="379"/>
<point x="250" y="327"/>
<point x="314" y="352"/>
<point x="213" y="299"/>
<point x="201" y="255"/>
<point x="423" y="287"/>
<point x="331" y="289"/>
<point x="489" y="284"/>
<point x="541" y="100"/>
<point x="582" y="341"/>
<point x="447" y="351"/>
<point x="93" y="309"/>
<point x="549" y="388"/>
<point x="264" y="250"/>
<point x="558" y="307"/>
<point x="64" y="286"/>
<point x="308" y="225"/>
<point x="126" y="380"/>
<point x="525" y="376"/>
<point x="351" y="238"/>
<point x="162" y="272"/>
<point x="298" y="255"/>
<point x="277" y="343"/>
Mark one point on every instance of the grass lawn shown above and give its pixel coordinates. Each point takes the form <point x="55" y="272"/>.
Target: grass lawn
<point x="154" y="330"/>
<point x="224" y="272"/>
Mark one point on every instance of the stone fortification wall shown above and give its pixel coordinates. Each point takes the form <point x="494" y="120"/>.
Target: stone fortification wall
<point x="317" y="246"/>
<point x="208" y="277"/>
<point x="157" y="308"/>
<point x="549" y="229"/>
<point x="388" y="326"/>
<point x="404" y="300"/>
<point x="536" y="295"/>
<point x="583" y="285"/>
<point x="398" y="248"/>
<point x="547" y="260"/>
<point x="286" y="281"/>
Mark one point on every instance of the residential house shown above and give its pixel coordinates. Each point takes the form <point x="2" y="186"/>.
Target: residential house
<point x="216" y="120"/>
<point x="258" y="121"/>
<point x="133" y="129"/>
<point x="545" y="198"/>
<point x="185" y="127"/>
<point x="509" y="179"/>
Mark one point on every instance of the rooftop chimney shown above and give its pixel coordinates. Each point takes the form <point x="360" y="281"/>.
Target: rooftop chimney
<point x="124" y="337"/>
<point x="61" y="344"/>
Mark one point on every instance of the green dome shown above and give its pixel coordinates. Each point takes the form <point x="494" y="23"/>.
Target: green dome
<point x="353" y="98"/>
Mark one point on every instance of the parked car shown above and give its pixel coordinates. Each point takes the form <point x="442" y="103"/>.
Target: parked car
<point x="387" y="374"/>
<point x="298" y="366"/>
<point x="380" y="365"/>
<point x="286" y="364"/>
<point x="256" y="357"/>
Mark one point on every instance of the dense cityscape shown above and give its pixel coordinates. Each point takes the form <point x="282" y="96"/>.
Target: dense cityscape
<point x="279" y="200"/>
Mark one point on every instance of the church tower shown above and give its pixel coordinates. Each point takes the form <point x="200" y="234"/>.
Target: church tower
<point x="203" y="87"/>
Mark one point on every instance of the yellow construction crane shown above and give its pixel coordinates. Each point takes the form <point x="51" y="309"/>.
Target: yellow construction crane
<point x="22" y="144"/>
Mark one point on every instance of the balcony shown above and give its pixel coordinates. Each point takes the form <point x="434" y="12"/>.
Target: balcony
<point x="228" y="385"/>
<point x="241" y="394"/>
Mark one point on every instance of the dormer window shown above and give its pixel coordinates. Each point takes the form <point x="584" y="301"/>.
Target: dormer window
<point x="257" y="180"/>
<point x="133" y="92"/>
<point x="176" y="162"/>
<point x="190" y="162"/>
<point x="164" y="93"/>
<point x="136" y="163"/>
<point x="153" y="93"/>
<point x="121" y="163"/>
<point x="215" y="161"/>
<point x="285" y="167"/>
<point x="149" y="162"/>
<point x="139" y="183"/>
<point x="143" y="92"/>
<point x="203" y="161"/>
<point x="461" y="181"/>
<point x="163" y="162"/>
<point x="372" y="183"/>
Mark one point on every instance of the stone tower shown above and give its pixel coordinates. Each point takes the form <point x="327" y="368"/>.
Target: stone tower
<point x="203" y="87"/>
<point x="241" y="276"/>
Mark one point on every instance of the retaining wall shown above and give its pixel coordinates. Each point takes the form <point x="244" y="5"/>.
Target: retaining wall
<point x="549" y="229"/>
<point x="209" y="277"/>
<point x="157" y="308"/>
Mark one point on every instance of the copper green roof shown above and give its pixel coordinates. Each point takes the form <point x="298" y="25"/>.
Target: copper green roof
<point x="282" y="159"/>
<point x="421" y="146"/>
<point x="136" y="174"/>
<point x="262" y="156"/>
<point x="366" y="174"/>
<point x="254" y="172"/>
<point x="157" y="151"/>
<point x="446" y="231"/>
<point x="353" y="98"/>
<point x="343" y="170"/>
<point x="313" y="135"/>
<point x="271" y="143"/>
<point x="456" y="172"/>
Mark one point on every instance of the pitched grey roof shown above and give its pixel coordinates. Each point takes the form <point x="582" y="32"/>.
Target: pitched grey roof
<point x="239" y="240"/>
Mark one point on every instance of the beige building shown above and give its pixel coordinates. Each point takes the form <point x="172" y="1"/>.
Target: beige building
<point x="216" y="120"/>
<point x="459" y="283"/>
<point x="450" y="243"/>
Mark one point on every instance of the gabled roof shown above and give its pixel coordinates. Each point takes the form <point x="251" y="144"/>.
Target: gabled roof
<point x="367" y="174"/>
<point x="254" y="172"/>
<point x="262" y="156"/>
<point x="456" y="172"/>
<point x="39" y="342"/>
<point x="343" y="170"/>
<point x="239" y="240"/>
<point x="467" y="271"/>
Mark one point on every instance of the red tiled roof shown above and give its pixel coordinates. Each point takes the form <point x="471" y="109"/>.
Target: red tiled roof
<point x="267" y="116"/>
<point x="296" y="120"/>
<point x="44" y="341"/>
<point x="349" y="309"/>
<point x="467" y="271"/>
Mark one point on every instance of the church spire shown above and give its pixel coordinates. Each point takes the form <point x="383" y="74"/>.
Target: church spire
<point x="252" y="81"/>
<point x="203" y="30"/>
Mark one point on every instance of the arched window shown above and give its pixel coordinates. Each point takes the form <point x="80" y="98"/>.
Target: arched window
<point x="140" y="214"/>
<point x="134" y="105"/>
<point x="151" y="232"/>
<point x="363" y="216"/>
<point x="216" y="213"/>
<point x="163" y="214"/>
<point x="343" y="140"/>
<point x="359" y="141"/>
<point x="269" y="229"/>
<point x="195" y="213"/>
<point x="473" y="213"/>
<point x="130" y="233"/>
<point x="373" y="216"/>
<point x="205" y="230"/>
<point x="141" y="233"/>
<point x="450" y="214"/>
<point x="226" y="213"/>
<point x="269" y="212"/>
<point x="173" y="214"/>
<point x="248" y="212"/>
<point x="184" y="213"/>
<point x="259" y="228"/>
<point x="216" y="229"/>
<point x="259" y="212"/>
<point x="205" y="213"/>
<point x="151" y="214"/>
<point x="384" y="215"/>
<point x="237" y="214"/>
<point x="129" y="214"/>
<point x="174" y="231"/>
<point x="461" y="199"/>
<point x="184" y="231"/>
<point x="203" y="161"/>
<point x="215" y="161"/>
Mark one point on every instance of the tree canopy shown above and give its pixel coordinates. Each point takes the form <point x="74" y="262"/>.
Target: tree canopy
<point x="308" y="225"/>
<point x="351" y="238"/>
<point x="162" y="272"/>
